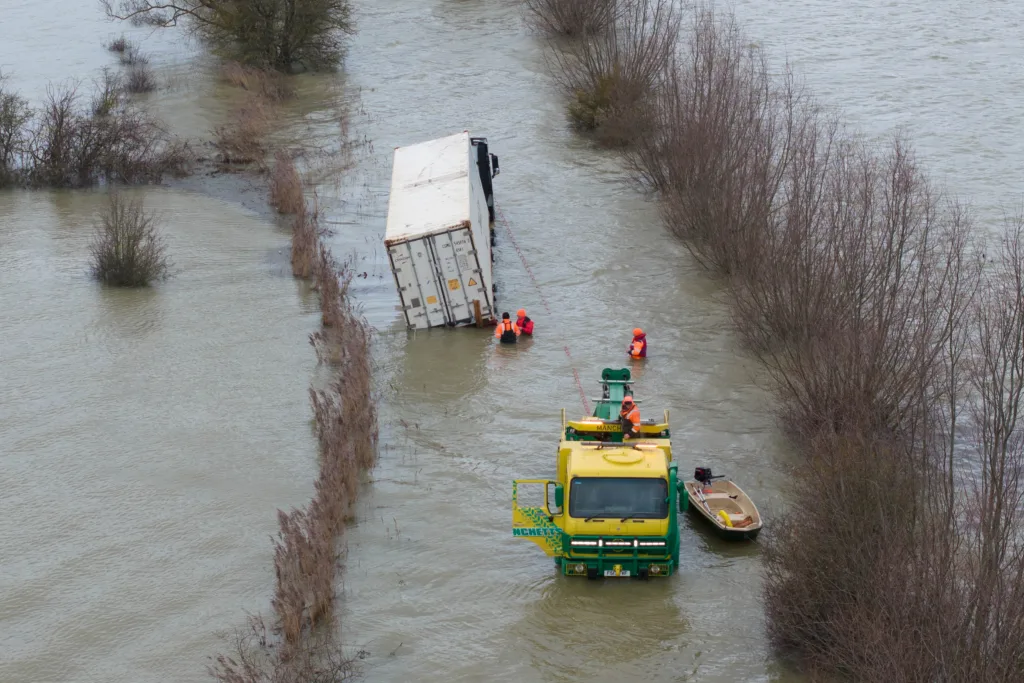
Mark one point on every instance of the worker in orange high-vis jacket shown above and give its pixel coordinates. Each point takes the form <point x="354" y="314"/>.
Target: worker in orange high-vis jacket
<point x="638" y="347"/>
<point x="524" y="323"/>
<point x="507" y="331"/>
<point x="630" y="418"/>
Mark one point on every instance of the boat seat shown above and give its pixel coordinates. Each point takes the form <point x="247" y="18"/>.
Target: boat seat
<point x="716" y="496"/>
<point x="737" y="518"/>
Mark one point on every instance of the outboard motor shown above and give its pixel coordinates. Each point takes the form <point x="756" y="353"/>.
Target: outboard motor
<point x="703" y="475"/>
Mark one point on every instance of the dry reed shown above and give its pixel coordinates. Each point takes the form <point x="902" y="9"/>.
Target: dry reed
<point x="286" y="194"/>
<point x="270" y="85"/>
<point x="242" y="140"/>
<point x="308" y="543"/>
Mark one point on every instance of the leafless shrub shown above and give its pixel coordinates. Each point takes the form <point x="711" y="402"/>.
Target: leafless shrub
<point x="571" y="17"/>
<point x="108" y="95"/>
<point x="242" y="139"/>
<point x="140" y="79"/>
<point x="131" y="55"/>
<point x="850" y="309"/>
<point x="719" y="139"/>
<point x="609" y="77"/>
<point x="256" y="658"/>
<point x="257" y="81"/>
<point x="66" y="146"/>
<point x="286" y="193"/>
<point x="278" y="34"/>
<point x="119" y="45"/>
<point x="127" y="250"/>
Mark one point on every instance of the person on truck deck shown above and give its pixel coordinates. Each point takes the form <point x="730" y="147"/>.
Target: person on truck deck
<point x="630" y="418"/>
<point x="507" y="331"/>
<point x="524" y="322"/>
<point x="638" y="347"/>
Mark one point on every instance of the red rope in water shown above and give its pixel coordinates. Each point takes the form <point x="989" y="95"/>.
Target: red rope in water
<point x="543" y="300"/>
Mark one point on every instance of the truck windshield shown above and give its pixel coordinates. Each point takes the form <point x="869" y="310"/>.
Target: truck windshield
<point x="642" y="498"/>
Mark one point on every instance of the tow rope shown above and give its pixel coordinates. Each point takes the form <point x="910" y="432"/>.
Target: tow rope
<point x="544" y="301"/>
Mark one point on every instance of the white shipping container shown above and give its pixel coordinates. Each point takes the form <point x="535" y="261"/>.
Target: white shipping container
<point x="438" y="232"/>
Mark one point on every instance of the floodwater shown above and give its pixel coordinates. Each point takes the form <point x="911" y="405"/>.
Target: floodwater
<point x="147" y="437"/>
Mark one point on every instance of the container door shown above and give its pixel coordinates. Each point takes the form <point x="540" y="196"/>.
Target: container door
<point x="460" y="274"/>
<point x="417" y="281"/>
<point x="534" y="522"/>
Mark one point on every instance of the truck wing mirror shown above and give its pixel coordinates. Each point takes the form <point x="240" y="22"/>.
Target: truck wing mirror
<point x="494" y="166"/>
<point x="559" y="496"/>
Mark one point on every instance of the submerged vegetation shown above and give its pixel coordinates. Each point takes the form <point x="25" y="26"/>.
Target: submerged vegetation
<point x="269" y="34"/>
<point x="127" y="250"/>
<point x="893" y="337"/>
<point x="68" y="142"/>
<point x="571" y="17"/>
<point x="308" y="544"/>
<point x="302" y="646"/>
<point x="610" y="76"/>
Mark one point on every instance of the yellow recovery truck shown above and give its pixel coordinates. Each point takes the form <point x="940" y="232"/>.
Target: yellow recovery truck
<point x="613" y="508"/>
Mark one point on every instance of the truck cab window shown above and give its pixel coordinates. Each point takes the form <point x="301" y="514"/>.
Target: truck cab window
<point x="642" y="498"/>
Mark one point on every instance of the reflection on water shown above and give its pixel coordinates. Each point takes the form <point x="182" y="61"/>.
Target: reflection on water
<point x="594" y="642"/>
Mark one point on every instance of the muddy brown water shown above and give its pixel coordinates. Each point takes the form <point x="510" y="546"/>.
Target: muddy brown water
<point x="146" y="438"/>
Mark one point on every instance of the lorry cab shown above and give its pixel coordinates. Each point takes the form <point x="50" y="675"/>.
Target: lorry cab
<point x="612" y="509"/>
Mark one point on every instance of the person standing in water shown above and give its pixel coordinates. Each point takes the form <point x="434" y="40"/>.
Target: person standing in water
<point x="507" y="331"/>
<point x="638" y="347"/>
<point x="524" y="323"/>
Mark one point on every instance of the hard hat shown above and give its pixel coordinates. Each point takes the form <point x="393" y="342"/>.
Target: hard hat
<point x="637" y="332"/>
<point x="521" y="313"/>
<point x="628" y="399"/>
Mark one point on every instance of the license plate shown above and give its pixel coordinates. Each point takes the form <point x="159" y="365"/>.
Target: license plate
<point x="611" y="572"/>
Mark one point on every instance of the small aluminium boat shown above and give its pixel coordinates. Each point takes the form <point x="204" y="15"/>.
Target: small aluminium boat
<point x="724" y="505"/>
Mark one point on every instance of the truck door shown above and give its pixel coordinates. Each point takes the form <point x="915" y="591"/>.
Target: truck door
<point x="417" y="280"/>
<point x="536" y="523"/>
<point x="459" y="274"/>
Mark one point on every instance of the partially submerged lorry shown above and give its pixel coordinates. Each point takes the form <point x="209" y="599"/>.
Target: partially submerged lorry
<point x="612" y="509"/>
<point x="440" y="231"/>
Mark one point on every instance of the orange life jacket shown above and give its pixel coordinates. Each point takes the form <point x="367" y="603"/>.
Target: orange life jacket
<point x="632" y="414"/>
<point x="506" y="326"/>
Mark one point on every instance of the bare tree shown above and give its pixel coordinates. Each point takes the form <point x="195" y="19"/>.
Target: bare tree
<point x="609" y="76"/>
<point x="278" y="34"/>
<point x="718" y="142"/>
<point x="15" y="114"/>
